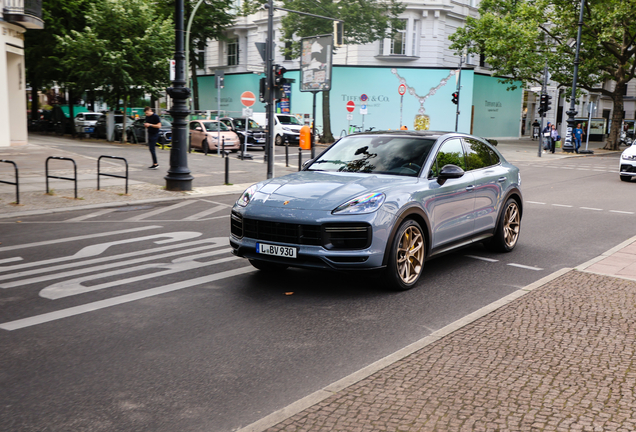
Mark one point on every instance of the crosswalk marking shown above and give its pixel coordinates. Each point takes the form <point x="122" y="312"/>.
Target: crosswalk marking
<point x="90" y="215"/>
<point x="158" y="211"/>
<point x="202" y="214"/>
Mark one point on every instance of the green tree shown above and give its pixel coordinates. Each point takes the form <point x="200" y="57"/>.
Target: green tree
<point x="517" y="37"/>
<point x="123" y="50"/>
<point x="365" y="21"/>
<point x="43" y="54"/>
<point x="210" y="22"/>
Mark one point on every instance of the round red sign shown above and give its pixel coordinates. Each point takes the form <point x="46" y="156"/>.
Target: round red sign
<point x="351" y="105"/>
<point x="248" y="98"/>
<point x="402" y="89"/>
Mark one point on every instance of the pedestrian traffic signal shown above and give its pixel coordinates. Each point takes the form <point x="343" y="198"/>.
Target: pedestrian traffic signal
<point x="455" y="98"/>
<point x="544" y="104"/>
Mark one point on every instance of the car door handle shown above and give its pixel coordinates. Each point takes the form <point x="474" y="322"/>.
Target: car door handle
<point x="501" y="179"/>
<point x="470" y="188"/>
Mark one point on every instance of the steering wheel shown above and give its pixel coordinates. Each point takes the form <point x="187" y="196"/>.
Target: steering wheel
<point x="412" y="166"/>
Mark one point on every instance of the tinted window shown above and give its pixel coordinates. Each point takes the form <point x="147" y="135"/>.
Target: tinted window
<point x="165" y="123"/>
<point x="92" y="116"/>
<point x="287" y="119"/>
<point x="239" y="123"/>
<point x="212" y="126"/>
<point x="479" y="155"/>
<point x="378" y="154"/>
<point x="451" y="152"/>
<point x="193" y="125"/>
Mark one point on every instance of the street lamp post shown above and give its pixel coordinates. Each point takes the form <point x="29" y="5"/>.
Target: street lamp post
<point x="568" y="145"/>
<point x="179" y="177"/>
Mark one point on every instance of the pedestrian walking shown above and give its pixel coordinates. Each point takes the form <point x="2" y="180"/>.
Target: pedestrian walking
<point x="554" y="137"/>
<point x="152" y="123"/>
<point x="536" y="126"/>
<point x="578" y="135"/>
<point x="546" y="137"/>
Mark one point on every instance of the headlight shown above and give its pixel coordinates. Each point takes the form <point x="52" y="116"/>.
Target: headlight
<point x="286" y="129"/>
<point x="628" y="157"/>
<point x="367" y="203"/>
<point x="247" y="196"/>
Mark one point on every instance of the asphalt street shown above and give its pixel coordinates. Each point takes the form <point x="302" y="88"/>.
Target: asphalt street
<point x="139" y="318"/>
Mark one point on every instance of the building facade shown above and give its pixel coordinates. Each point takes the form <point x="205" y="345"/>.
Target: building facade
<point x="17" y="17"/>
<point x="417" y="57"/>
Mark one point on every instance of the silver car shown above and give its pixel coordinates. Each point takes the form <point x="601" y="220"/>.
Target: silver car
<point x="382" y="201"/>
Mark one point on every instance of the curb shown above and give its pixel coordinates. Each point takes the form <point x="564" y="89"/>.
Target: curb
<point x="333" y="388"/>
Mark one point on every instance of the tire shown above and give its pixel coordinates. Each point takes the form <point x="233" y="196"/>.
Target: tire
<point x="205" y="147"/>
<point x="278" y="140"/>
<point x="406" y="257"/>
<point x="268" y="267"/>
<point x="507" y="231"/>
<point x="626" y="178"/>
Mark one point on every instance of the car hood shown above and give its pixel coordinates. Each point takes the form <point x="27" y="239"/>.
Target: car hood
<point x="323" y="190"/>
<point x="631" y="151"/>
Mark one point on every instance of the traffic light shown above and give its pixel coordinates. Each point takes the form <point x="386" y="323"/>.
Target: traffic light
<point x="338" y="34"/>
<point x="544" y="104"/>
<point x="279" y="76"/>
<point x="455" y="99"/>
<point x="263" y="91"/>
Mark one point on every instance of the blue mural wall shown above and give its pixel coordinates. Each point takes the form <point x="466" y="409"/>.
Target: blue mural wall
<point x="428" y="93"/>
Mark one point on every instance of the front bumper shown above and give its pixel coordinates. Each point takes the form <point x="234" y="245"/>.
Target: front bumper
<point x="628" y="168"/>
<point x="323" y="240"/>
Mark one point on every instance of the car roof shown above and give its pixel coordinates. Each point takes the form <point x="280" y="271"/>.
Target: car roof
<point x="420" y="134"/>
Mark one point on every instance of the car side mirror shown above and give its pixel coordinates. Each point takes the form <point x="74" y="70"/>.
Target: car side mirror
<point x="198" y="128"/>
<point x="449" y="171"/>
<point x="307" y="163"/>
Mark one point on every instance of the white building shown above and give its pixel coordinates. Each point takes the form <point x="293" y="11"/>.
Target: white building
<point x="16" y="17"/>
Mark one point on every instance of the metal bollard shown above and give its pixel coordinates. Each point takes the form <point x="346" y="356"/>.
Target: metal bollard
<point x="223" y="146"/>
<point x="286" y="154"/>
<point x="227" y="169"/>
<point x="300" y="158"/>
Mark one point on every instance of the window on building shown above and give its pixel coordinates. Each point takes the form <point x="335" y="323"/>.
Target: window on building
<point x="403" y="42"/>
<point x="233" y="52"/>
<point x="398" y="43"/>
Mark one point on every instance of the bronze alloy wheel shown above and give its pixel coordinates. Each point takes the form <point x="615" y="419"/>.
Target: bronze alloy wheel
<point x="410" y="254"/>
<point x="512" y="221"/>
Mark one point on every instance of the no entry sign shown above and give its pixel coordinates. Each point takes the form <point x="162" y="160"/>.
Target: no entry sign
<point x="248" y="98"/>
<point x="351" y="105"/>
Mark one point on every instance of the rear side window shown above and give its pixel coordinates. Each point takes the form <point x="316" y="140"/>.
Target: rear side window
<point x="479" y="155"/>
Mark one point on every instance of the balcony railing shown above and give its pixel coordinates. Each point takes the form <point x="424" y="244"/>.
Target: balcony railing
<point x="26" y="13"/>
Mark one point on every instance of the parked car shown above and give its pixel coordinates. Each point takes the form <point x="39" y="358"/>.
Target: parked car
<point x="627" y="164"/>
<point x="84" y="122"/>
<point x="204" y="135"/>
<point x="287" y="129"/>
<point x="255" y="133"/>
<point x="381" y="201"/>
<point x="136" y="132"/>
<point x="100" y="126"/>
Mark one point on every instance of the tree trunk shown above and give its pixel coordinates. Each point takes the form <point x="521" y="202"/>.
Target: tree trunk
<point x="327" y="136"/>
<point x="195" y="85"/>
<point x="617" y="117"/>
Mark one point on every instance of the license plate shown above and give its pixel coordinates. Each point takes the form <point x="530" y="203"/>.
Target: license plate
<point x="89" y="129"/>
<point x="260" y="141"/>
<point x="281" y="251"/>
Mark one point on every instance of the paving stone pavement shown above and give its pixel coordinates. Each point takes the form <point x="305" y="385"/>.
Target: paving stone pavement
<point x="560" y="358"/>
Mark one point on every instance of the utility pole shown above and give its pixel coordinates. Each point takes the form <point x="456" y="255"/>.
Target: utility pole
<point x="179" y="177"/>
<point x="567" y="145"/>
<point x="459" y="86"/>
<point x="269" y="76"/>
<point x="543" y="91"/>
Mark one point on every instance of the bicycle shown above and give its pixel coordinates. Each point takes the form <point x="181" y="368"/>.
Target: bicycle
<point x="354" y="129"/>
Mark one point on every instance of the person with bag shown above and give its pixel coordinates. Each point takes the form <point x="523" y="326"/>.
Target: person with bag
<point x="546" y="137"/>
<point x="577" y="134"/>
<point x="554" y="137"/>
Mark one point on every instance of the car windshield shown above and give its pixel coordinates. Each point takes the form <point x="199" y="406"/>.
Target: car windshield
<point x="92" y="116"/>
<point x="288" y="119"/>
<point x="240" y="124"/>
<point x="165" y="123"/>
<point x="213" y="126"/>
<point x="376" y="154"/>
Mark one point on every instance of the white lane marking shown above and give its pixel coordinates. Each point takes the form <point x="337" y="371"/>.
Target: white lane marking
<point x="90" y="215"/>
<point x="525" y="267"/>
<point x="591" y="208"/>
<point x="74" y="286"/>
<point x="482" y="258"/>
<point x="8" y="260"/>
<point x="76" y="272"/>
<point x="88" y="307"/>
<point x="201" y="215"/>
<point x="535" y="202"/>
<point x="622" y="212"/>
<point x="100" y="248"/>
<point x="561" y="205"/>
<point x="83" y="237"/>
<point x="158" y="211"/>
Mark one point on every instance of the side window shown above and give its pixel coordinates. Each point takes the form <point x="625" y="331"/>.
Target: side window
<point x="451" y="152"/>
<point x="227" y="123"/>
<point x="477" y="155"/>
<point x="193" y="125"/>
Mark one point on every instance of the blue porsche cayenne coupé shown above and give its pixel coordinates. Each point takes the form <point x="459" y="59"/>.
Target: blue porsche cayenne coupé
<point x="381" y="200"/>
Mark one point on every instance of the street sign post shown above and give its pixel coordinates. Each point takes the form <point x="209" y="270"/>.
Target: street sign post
<point x="247" y="99"/>
<point x="401" y="91"/>
<point x="351" y="106"/>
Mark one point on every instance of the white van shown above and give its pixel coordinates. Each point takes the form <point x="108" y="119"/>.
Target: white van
<point x="287" y="127"/>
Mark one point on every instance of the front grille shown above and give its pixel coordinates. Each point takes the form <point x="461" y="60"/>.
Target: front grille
<point x="330" y="236"/>
<point x="282" y="232"/>
<point x="168" y="136"/>
<point x="347" y="236"/>
<point x="628" y="168"/>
